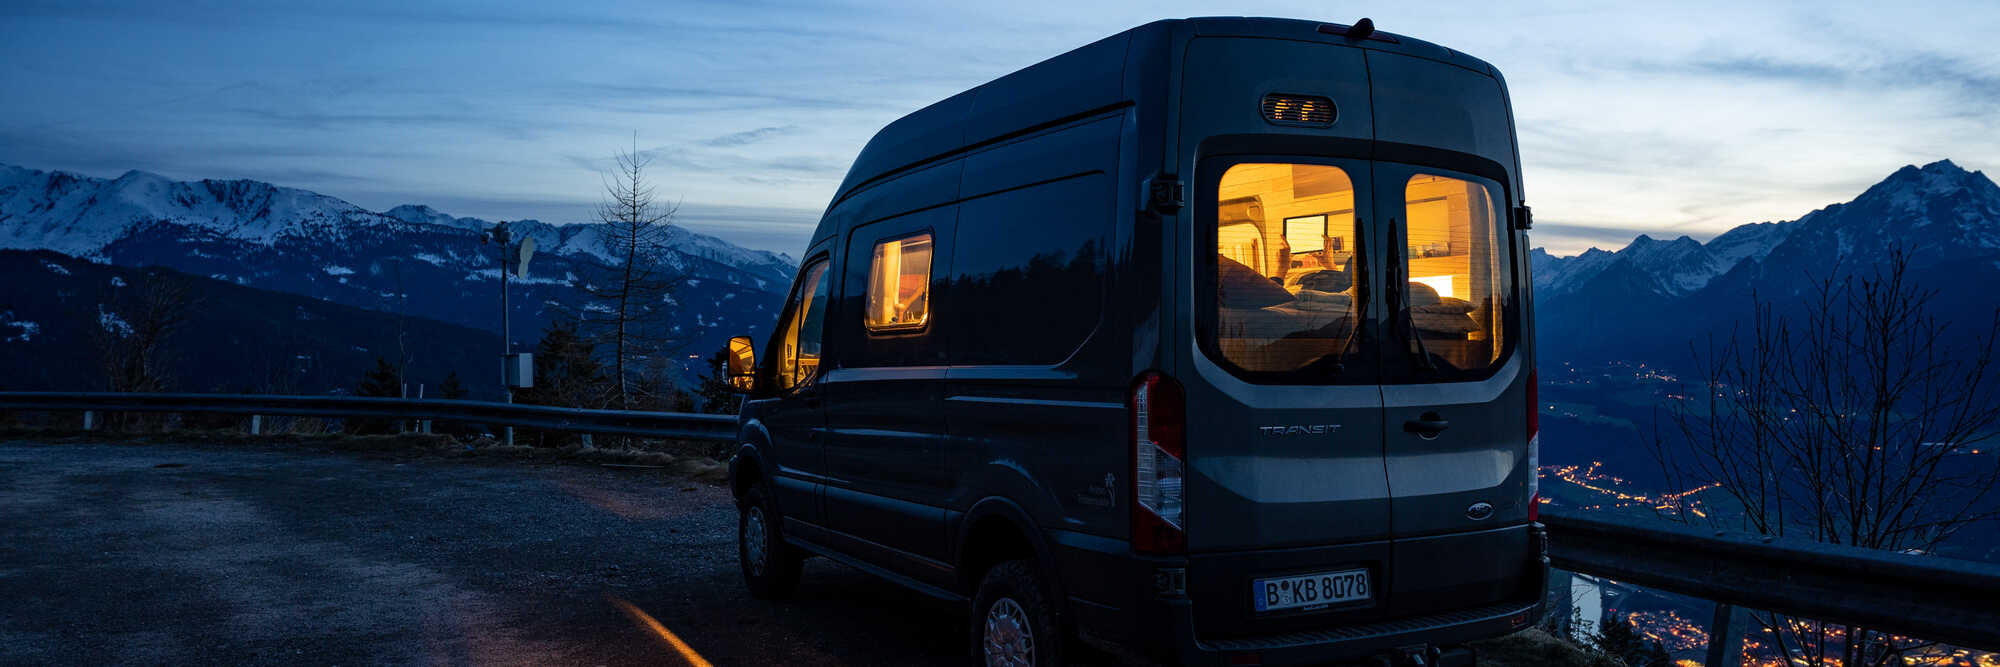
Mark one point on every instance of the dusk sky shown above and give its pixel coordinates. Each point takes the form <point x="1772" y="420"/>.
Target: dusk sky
<point x="1667" y="119"/>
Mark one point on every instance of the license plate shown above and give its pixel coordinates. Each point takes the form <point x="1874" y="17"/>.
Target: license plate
<point x="1306" y="591"/>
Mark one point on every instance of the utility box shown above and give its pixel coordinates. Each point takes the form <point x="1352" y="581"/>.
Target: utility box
<point x="519" y="369"/>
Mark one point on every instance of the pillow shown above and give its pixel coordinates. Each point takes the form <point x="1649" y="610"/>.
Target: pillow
<point x="1443" y="323"/>
<point x="1447" y="306"/>
<point x="1318" y="301"/>
<point x="1239" y="286"/>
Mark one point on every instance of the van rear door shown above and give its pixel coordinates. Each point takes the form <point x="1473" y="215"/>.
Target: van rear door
<point x="1284" y="422"/>
<point x="1454" y="391"/>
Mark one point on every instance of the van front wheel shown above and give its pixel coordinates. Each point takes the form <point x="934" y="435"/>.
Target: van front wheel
<point x="1013" y="622"/>
<point x="770" y="566"/>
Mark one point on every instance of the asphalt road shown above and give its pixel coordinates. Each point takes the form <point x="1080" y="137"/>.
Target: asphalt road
<point x="161" y="554"/>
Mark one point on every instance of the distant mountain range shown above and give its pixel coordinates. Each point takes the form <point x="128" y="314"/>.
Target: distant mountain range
<point x="1644" y="302"/>
<point x="410" y="259"/>
<point x="1648" y="300"/>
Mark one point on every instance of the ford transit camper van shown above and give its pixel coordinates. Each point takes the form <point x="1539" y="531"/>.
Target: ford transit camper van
<point x="1207" y="342"/>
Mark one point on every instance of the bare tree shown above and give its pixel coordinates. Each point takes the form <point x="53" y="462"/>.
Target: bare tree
<point x="631" y="306"/>
<point x="133" y="334"/>
<point x="1849" y="424"/>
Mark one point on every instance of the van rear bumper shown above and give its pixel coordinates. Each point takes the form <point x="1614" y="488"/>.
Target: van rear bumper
<point x="1351" y="641"/>
<point x="1165" y="628"/>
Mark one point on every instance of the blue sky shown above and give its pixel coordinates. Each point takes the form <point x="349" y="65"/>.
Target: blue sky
<point x="1668" y="118"/>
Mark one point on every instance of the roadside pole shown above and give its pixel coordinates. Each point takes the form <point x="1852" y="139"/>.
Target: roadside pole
<point x="501" y="237"/>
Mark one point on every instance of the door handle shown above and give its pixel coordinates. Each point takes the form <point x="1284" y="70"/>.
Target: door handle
<point x="811" y="400"/>
<point x="1429" y="425"/>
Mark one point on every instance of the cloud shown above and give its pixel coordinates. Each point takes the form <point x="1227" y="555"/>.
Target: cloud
<point x="1894" y="70"/>
<point x="748" y="136"/>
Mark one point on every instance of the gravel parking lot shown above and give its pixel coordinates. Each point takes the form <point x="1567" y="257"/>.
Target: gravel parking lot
<point x="246" y="554"/>
<point x="180" y="554"/>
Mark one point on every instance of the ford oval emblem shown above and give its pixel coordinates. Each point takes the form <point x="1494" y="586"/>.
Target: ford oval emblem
<point x="1479" y="511"/>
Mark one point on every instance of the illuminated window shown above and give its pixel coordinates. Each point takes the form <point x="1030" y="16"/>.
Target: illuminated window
<point x="1284" y="267"/>
<point x="899" y="280"/>
<point x="798" y="352"/>
<point x="1457" y="272"/>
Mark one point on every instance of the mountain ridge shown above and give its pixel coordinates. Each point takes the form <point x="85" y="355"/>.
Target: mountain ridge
<point x="412" y="258"/>
<point x="1599" y="304"/>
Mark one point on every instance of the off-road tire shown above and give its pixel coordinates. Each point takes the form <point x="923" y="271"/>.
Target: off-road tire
<point x="1017" y="582"/>
<point x="778" y="576"/>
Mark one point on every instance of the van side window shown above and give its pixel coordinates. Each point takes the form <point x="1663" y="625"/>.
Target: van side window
<point x="899" y="280"/>
<point x="1457" y="272"/>
<point x="1028" y="272"/>
<point x="798" y="350"/>
<point x="1285" y="273"/>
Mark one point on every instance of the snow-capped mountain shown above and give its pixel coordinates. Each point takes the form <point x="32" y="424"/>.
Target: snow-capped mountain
<point x="1655" y="295"/>
<point x="411" y="258"/>
<point x="79" y="215"/>
<point x="1676" y="267"/>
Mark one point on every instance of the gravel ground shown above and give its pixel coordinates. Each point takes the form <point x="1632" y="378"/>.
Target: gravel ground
<point x="230" y="554"/>
<point x="167" y="554"/>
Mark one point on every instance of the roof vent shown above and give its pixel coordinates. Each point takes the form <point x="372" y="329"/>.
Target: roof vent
<point x="1306" y="110"/>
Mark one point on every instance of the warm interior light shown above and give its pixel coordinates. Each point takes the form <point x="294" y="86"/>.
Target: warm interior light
<point x="1440" y="283"/>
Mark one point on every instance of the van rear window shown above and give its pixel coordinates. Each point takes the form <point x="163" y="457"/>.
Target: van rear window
<point x="1457" y="274"/>
<point x="1285" y="284"/>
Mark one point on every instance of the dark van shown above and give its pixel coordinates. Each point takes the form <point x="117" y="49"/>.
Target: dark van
<point x="1207" y="342"/>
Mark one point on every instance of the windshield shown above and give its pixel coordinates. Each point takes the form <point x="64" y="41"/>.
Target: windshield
<point x="1286" y="286"/>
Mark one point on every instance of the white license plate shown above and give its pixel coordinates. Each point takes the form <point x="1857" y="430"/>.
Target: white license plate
<point x="1309" y="590"/>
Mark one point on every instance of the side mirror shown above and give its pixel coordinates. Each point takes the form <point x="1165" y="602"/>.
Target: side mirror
<point x="742" y="364"/>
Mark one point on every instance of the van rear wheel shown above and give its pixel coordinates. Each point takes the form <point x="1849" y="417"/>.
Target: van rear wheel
<point x="770" y="566"/>
<point x="1013" y="620"/>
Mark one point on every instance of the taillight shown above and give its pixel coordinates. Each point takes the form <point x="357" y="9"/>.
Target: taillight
<point x="1159" y="455"/>
<point x="1534" y="447"/>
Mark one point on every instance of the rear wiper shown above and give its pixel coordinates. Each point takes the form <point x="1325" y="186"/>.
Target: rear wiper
<point x="1360" y="305"/>
<point x="1400" y="301"/>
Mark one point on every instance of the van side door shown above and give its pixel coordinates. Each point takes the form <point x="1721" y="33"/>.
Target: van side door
<point x="886" y="480"/>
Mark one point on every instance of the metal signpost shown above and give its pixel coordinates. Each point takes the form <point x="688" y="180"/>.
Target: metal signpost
<point x="517" y="370"/>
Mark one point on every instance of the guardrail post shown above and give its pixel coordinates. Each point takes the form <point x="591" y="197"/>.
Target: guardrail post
<point x="1725" y="636"/>
<point x="425" y="425"/>
<point x="586" y="441"/>
<point x="90" y="420"/>
<point x="256" y="424"/>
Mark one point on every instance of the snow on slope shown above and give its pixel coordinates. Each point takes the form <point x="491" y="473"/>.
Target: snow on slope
<point x="1904" y="210"/>
<point x="79" y="215"/>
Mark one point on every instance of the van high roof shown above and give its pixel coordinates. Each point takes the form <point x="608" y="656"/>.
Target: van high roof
<point x="1086" y="80"/>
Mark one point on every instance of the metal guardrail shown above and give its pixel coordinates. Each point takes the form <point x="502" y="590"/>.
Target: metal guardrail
<point x="676" y="425"/>
<point x="1939" y="599"/>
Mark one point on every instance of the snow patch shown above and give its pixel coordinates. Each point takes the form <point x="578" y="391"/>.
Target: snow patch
<point x="112" y="323"/>
<point x="338" y="271"/>
<point x="55" y="268"/>
<point x="23" y="330"/>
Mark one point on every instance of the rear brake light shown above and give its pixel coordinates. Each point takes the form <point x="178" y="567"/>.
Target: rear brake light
<point x="1159" y="455"/>
<point x="1534" y="446"/>
<point x="1534" y="403"/>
